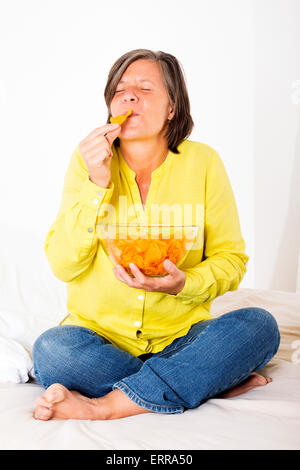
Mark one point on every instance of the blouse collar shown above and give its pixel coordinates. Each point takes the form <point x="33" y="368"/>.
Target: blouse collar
<point x="162" y="169"/>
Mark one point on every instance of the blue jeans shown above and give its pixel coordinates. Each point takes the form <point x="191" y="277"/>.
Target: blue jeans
<point x="212" y="357"/>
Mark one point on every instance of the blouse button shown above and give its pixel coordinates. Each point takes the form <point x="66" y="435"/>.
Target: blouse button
<point x="137" y="323"/>
<point x="140" y="297"/>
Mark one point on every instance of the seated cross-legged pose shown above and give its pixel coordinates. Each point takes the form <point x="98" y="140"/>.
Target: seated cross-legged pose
<point x="134" y="343"/>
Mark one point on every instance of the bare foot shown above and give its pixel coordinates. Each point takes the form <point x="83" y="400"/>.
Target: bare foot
<point x="60" y="403"/>
<point x="254" y="380"/>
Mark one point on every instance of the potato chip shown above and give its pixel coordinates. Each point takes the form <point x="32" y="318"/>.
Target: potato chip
<point x="121" y="118"/>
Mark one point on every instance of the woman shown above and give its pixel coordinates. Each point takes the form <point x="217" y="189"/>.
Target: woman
<point x="136" y="344"/>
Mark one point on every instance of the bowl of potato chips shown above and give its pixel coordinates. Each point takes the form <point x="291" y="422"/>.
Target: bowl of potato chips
<point x="147" y="246"/>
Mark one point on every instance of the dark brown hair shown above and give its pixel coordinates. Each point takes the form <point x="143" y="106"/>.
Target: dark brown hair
<point x="181" y="125"/>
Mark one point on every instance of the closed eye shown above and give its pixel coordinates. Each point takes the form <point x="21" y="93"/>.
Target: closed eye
<point x="144" y="89"/>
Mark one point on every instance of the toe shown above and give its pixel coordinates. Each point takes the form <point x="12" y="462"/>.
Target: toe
<point x="43" y="413"/>
<point x="55" y="393"/>
<point x="262" y="380"/>
<point x="41" y="401"/>
<point x="257" y="379"/>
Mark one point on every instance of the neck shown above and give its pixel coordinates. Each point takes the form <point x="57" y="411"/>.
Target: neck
<point x="144" y="157"/>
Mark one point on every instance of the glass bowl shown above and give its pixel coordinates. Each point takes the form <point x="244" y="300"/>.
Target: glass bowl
<point x="147" y="246"/>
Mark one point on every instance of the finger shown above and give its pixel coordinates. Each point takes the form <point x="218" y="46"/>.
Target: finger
<point x="99" y="158"/>
<point x="112" y="135"/>
<point x="124" y="275"/>
<point x="103" y="157"/>
<point x="144" y="282"/>
<point x="94" y="144"/>
<point x="100" y="153"/>
<point x="111" y="131"/>
<point x="102" y="130"/>
<point x="137" y="273"/>
<point x="118" y="276"/>
<point x="100" y="140"/>
<point x="170" y="267"/>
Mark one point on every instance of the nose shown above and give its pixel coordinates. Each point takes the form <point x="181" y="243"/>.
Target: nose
<point x="129" y="96"/>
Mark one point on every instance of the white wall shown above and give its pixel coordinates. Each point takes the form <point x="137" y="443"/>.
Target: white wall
<point x="55" y="57"/>
<point x="277" y="143"/>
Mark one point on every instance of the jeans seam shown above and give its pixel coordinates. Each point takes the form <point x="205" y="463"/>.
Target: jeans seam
<point x="165" y="409"/>
<point x="188" y="342"/>
<point x="176" y="349"/>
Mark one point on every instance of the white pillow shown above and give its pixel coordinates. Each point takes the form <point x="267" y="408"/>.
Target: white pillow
<point x="284" y="306"/>
<point x="32" y="299"/>
<point x="16" y="363"/>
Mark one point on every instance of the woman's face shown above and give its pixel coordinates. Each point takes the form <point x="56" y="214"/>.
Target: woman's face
<point x="141" y="89"/>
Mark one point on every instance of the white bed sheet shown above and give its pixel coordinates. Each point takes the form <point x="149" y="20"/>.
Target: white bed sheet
<point x="266" y="417"/>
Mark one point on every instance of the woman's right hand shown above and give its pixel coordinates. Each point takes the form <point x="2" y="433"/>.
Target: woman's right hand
<point x="96" y="152"/>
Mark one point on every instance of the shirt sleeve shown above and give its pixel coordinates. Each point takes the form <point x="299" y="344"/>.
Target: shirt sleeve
<point x="71" y="242"/>
<point x="224" y="260"/>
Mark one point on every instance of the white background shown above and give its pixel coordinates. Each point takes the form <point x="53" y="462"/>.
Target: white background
<point x="241" y="65"/>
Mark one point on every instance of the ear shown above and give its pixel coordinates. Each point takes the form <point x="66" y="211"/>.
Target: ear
<point x="171" y="113"/>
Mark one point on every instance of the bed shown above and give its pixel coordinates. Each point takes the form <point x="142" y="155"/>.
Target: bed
<point x="33" y="300"/>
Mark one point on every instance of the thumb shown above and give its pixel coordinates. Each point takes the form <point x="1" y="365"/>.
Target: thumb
<point x="113" y="134"/>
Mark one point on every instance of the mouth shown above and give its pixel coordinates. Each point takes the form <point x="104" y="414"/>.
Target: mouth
<point x="133" y="114"/>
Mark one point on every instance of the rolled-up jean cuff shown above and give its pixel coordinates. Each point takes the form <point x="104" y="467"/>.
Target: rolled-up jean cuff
<point x="145" y="404"/>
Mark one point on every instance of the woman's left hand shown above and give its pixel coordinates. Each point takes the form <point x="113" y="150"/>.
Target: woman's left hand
<point x="172" y="283"/>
